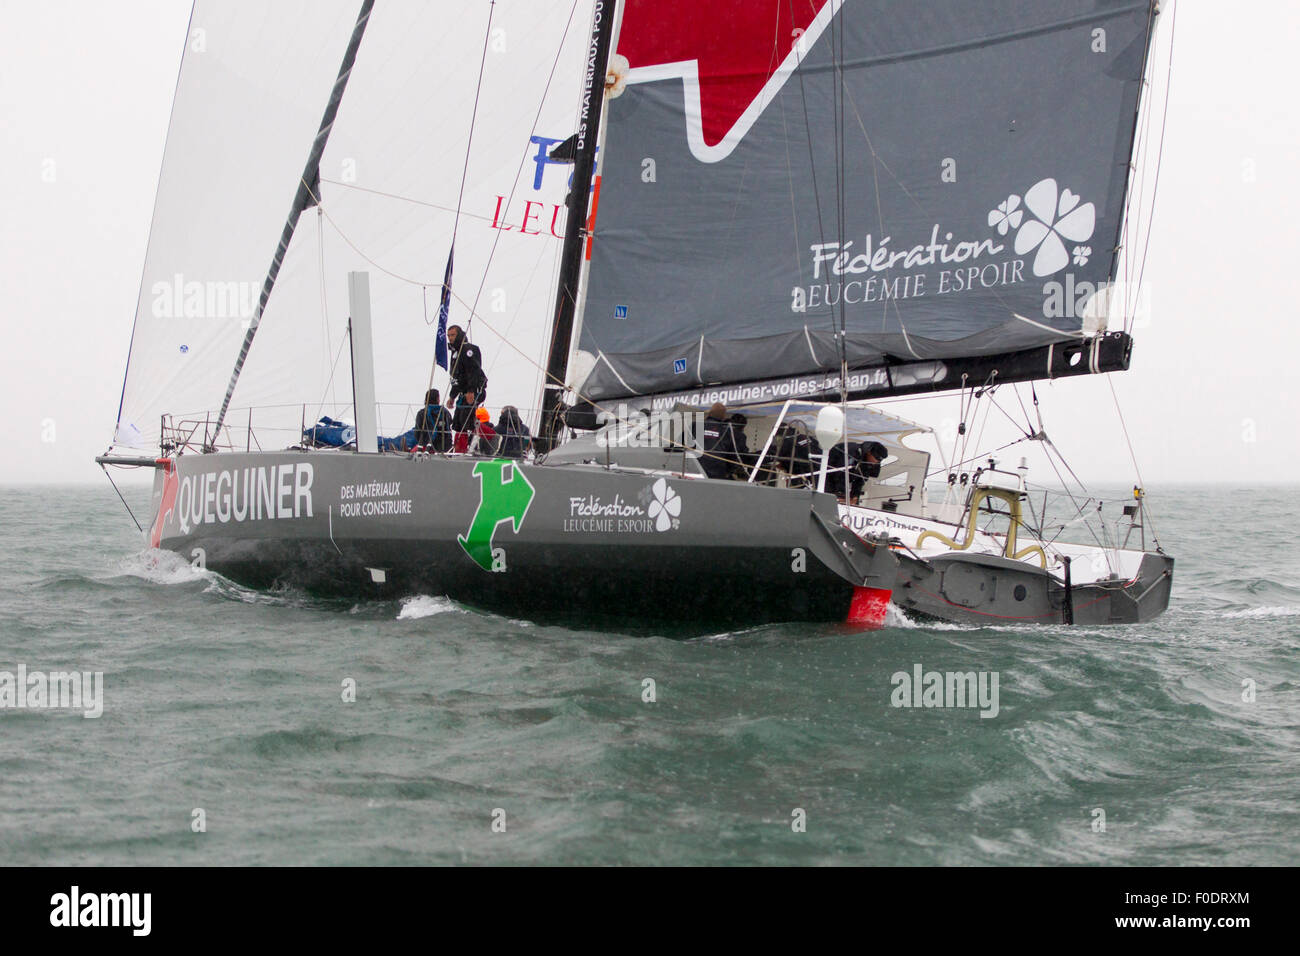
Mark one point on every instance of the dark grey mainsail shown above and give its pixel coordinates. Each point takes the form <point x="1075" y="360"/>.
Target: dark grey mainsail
<point x="938" y="183"/>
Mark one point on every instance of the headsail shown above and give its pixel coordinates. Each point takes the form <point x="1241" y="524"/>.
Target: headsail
<point x="254" y="83"/>
<point x="937" y="182"/>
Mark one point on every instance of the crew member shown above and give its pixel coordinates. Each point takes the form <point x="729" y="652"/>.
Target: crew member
<point x="515" y="437"/>
<point x="864" y="460"/>
<point x="720" y="455"/>
<point x="468" y="380"/>
<point x="485" y="436"/>
<point x="432" y="424"/>
<point x="747" y="458"/>
<point x="795" y="452"/>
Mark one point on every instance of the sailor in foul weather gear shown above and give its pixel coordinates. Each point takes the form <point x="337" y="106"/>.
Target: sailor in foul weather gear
<point x="795" y="451"/>
<point x="720" y="454"/>
<point x="485" y="436"/>
<point x="468" y="380"/>
<point x="515" y="437"/>
<point x="432" y="424"/>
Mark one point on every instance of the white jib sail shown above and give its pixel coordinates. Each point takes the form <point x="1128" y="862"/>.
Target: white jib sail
<point x="253" y="86"/>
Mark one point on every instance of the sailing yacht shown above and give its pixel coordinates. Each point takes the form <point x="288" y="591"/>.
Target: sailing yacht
<point x="427" y="133"/>
<point x="648" y="205"/>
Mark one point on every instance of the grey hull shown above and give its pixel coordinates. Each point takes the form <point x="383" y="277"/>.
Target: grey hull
<point x="565" y="542"/>
<point x="986" y="589"/>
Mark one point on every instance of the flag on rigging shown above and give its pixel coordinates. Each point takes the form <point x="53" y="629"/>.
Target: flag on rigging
<point x="444" y="306"/>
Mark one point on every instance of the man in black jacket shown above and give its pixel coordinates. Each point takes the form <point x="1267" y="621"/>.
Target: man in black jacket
<point x="795" y="451"/>
<point x="720" y="454"/>
<point x="468" y="380"/>
<point x="864" y="460"/>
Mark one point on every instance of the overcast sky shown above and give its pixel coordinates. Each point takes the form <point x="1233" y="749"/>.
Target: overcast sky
<point x="85" y="95"/>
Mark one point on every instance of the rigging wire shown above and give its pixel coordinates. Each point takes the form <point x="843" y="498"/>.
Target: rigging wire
<point x="988" y="410"/>
<point x="789" y="168"/>
<point x="464" y="173"/>
<point x="1136" y="182"/>
<point x="1015" y="388"/>
<point x="329" y="384"/>
<point x="1011" y="418"/>
<point x="840" y="93"/>
<point x="1160" y="152"/>
<point x="812" y="163"/>
<point x="537" y="118"/>
<point x="411" y="199"/>
<point x="123" y="500"/>
<point x="416" y="282"/>
<point x="1132" y="455"/>
<point x="465" y="304"/>
<point x="977" y="457"/>
<point x="473" y="116"/>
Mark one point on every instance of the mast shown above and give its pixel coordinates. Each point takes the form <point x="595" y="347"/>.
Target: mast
<point x="306" y="195"/>
<point x="575" y="234"/>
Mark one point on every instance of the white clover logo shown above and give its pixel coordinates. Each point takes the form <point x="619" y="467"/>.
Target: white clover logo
<point x="665" y="507"/>
<point x="1059" y="217"/>
<point x="1081" y="255"/>
<point x="1007" y="215"/>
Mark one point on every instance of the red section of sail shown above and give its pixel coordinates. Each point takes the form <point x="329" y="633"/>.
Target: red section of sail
<point x="868" y="607"/>
<point x="738" y="44"/>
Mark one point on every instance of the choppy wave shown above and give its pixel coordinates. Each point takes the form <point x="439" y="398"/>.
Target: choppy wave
<point x="1265" y="612"/>
<point x="328" y="732"/>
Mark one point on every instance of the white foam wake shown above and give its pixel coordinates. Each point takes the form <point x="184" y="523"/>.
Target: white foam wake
<point x="425" y="606"/>
<point x="894" y="617"/>
<point x="161" y="567"/>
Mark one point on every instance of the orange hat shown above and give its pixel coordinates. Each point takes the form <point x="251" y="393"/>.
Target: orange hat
<point x="482" y="414"/>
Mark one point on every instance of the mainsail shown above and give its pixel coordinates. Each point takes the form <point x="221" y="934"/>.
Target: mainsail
<point x="791" y="187"/>
<point x="401" y="157"/>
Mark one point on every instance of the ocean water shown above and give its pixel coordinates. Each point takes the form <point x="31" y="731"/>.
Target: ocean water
<point x="476" y="739"/>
